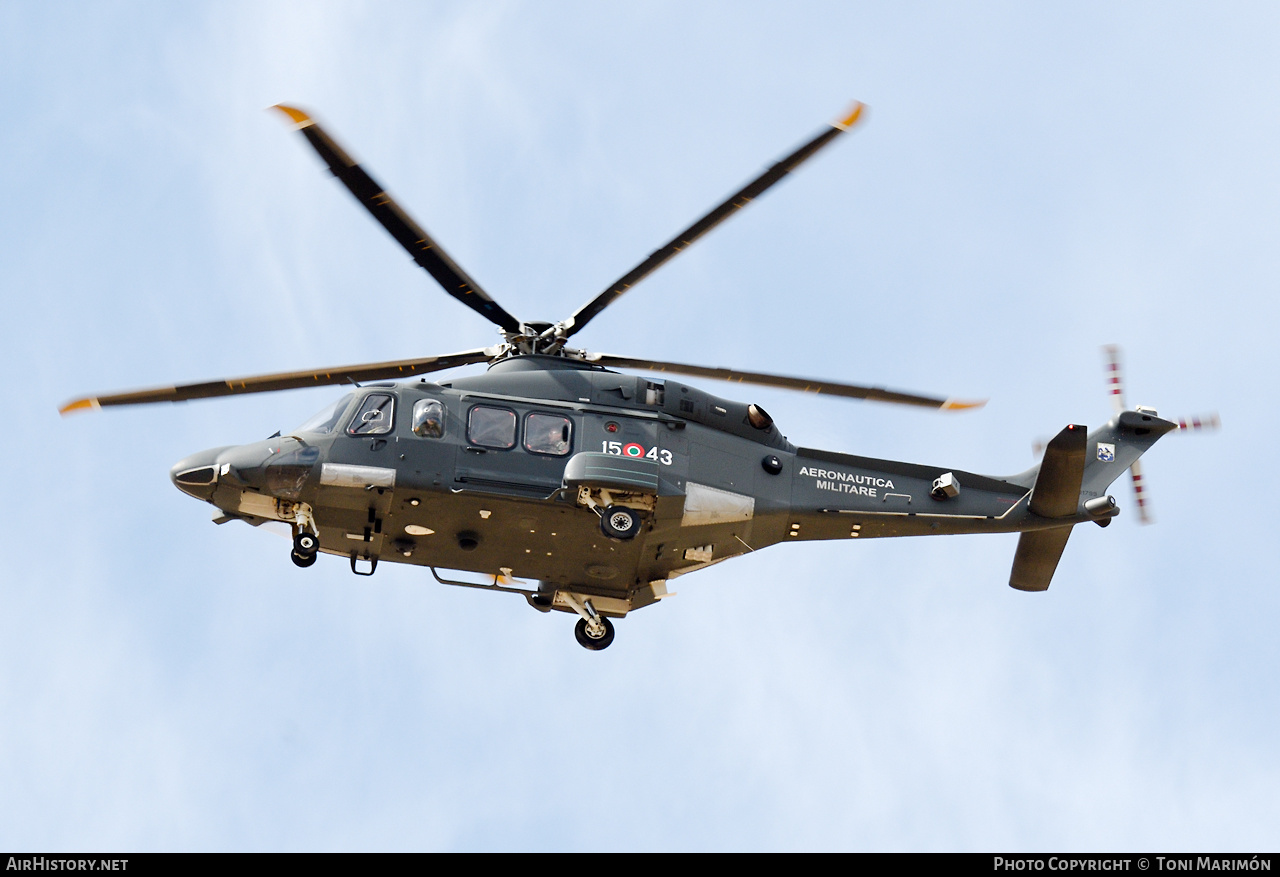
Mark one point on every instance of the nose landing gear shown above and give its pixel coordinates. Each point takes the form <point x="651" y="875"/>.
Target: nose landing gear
<point x="306" y="535"/>
<point x="306" y="548"/>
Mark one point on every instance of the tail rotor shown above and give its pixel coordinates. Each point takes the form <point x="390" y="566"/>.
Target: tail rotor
<point x="1192" y="424"/>
<point x="1115" y="388"/>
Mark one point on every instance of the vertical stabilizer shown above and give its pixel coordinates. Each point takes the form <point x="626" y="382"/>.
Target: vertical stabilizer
<point x="1057" y="490"/>
<point x="1056" y="495"/>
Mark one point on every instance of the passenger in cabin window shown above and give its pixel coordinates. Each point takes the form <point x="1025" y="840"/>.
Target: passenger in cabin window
<point x="547" y="434"/>
<point x="428" y="418"/>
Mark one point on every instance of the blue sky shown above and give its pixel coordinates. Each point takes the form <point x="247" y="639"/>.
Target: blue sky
<point x="1029" y="185"/>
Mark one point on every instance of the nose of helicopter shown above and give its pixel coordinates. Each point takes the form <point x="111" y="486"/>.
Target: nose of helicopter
<point x="239" y="466"/>
<point x="197" y="474"/>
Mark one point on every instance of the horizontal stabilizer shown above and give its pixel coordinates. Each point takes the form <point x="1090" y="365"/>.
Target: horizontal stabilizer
<point x="1037" y="557"/>
<point x="1057" y="490"/>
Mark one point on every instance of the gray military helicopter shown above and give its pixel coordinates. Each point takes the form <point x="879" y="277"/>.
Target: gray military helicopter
<point x="597" y="487"/>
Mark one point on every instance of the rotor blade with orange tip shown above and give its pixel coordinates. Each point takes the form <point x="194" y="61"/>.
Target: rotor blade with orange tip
<point x="413" y="237"/>
<point x="719" y="214"/>
<point x="347" y="374"/>
<point x="804" y="385"/>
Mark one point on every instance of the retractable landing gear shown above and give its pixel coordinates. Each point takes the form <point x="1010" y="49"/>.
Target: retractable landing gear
<point x="593" y="631"/>
<point x="597" y="640"/>
<point x="306" y="538"/>
<point x="620" y="522"/>
<point x="306" y="548"/>
<point x="620" y="513"/>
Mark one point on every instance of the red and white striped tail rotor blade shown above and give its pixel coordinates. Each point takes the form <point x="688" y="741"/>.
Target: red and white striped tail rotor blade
<point x="1140" y="493"/>
<point x="1195" y="424"/>
<point x="1115" y="386"/>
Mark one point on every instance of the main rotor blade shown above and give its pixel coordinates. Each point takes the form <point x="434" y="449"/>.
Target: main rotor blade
<point x="719" y="214"/>
<point x="347" y="374"/>
<point x="805" y="385"/>
<point x="413" y="237"/>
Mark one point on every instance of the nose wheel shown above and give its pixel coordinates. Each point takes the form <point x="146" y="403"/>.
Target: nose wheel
<point x="306" y="547"/>
<point x="595" y="636"/>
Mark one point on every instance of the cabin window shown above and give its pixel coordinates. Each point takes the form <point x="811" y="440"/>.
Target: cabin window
<point x="374" y="416"/>
<point x="491" y="427"/>
<point x="547" y="434"/>
<point x="428" y="418"/>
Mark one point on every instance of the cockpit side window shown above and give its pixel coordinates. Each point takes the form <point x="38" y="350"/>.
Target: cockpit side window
<point x="491" y="427"/>
<point x="548" y="434"/>
<point x="374" y="416"/>
<point x="428" y="418"/>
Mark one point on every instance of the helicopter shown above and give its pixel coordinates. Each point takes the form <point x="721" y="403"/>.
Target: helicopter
<point x="584" y="489"/>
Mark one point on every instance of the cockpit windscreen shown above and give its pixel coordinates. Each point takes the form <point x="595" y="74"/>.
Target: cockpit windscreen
<point x="324" y="422"/>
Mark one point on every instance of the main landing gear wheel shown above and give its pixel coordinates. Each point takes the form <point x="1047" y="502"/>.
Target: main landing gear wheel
<point x="594" y="643"/>
<point x="620" y="522"/>
<point x="306" y="547"/>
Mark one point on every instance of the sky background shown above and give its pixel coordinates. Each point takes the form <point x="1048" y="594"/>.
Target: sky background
<point x="1030" y="183"/>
